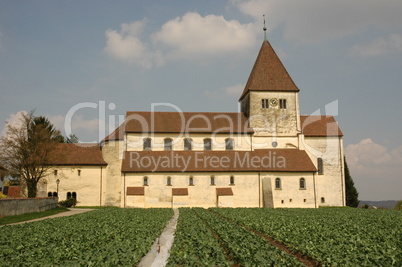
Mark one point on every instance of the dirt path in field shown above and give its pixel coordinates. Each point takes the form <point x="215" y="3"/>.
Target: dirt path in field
<point x="159" y="253"/>
<point x="299" y="256"/>
<point x="70" y="212"/>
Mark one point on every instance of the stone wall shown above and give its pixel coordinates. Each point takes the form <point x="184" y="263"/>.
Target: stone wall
<point x="9" y="207"/>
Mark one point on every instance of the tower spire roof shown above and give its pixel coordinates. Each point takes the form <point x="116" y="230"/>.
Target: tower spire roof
<point x="268" y="73"/>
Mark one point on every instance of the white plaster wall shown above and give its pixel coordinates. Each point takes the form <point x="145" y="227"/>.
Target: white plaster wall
<point x="201" y="194"/>
<point x="290" y="193"/>
<point x="135" y="141"/>
<point x="87" y="185"/>
<point x="113" y="154"/>
<point x="265" y="142"/>
<point x="330" y="185"/>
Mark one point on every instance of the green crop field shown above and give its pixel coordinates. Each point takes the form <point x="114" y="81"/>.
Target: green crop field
<point x="105" y="237"/>
<point x="213" y="237"/>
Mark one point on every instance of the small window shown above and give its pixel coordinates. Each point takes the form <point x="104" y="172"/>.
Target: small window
<point x="74" y="195"/>
<point x="55" y="194"/>
<point x="320" y="166"/>
<point x="290" y="200"/>
<point x="68" y="195"/>
<point x="229" y="144"/>
<point x="79" y="172"/>
<point x="264" y="103"/>
<point x="212" y="180"/>
<point x="278" y="183"/>
<point x="304" y="200"/>
<point x="191" y="181"/>
<point x="55" y="172"/>
<point x="207" y="144"/>
<point x="169" y="181"/>
<point x="168" y="143"/>
<point x="188" y="144"/>
<point x="322" y="200"/>
<point x="282" y="201"/>
<point x="147" y="142"/>
<point x="282" y="103"/>
<point x="145" y="181"/>
<point x="232" y="180"/>
<point x="302" y="183"/>
<point x="49" y="194"/>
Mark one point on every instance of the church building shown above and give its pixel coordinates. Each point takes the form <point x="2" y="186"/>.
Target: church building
<point x="266" y="155"/>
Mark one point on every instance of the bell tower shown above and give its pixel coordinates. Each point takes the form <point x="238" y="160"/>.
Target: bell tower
<point x="270" y="97"/>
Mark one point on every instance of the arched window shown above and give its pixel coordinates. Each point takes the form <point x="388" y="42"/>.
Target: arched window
<point x="322" y="200"/>
<point x="54" y="194"/>
<point x="212" y="179"/>
<point x="169" y="181"/>
<point x="207" y="144"/>
<point x="147" y="142"/>
<point x="55" y="172"/>
<point x="168" y="144"/>
<point x="232" y="181"/>
<point x="320" y="166"/>
<point x="191" y="181"/>
<point x="68" y="195"/>
<point x="79" y="172"/>
<point x="278" y="183"/>
<point x="49" y="194"/>
<point x="188" y="144"/>
<point x="229" y="143"/>
<point x="74" y="195"/>
<point x="145" y="181"/>
<point x="302" y="183"/>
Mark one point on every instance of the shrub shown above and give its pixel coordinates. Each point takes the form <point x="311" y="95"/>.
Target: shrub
<point x="68" y="203"/>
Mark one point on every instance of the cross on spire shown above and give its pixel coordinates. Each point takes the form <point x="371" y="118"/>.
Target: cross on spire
<point x="265" y="29"/>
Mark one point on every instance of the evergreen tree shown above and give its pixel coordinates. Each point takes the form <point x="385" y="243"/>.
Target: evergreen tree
<point x="351" y="192"/>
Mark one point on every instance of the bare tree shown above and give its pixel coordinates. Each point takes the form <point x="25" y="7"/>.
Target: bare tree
<point x="25" y="150"/>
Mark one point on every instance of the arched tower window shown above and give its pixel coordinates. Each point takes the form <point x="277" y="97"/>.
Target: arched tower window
<point x="68" y="195"/>
<point x="212" y="180"/>
<point x="169" y="180"/>
<point x="145" y="181"/>
<point x="74" y="195"/>
<point x="191" y="181"/>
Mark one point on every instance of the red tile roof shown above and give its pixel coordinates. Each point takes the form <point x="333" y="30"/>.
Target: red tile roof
<point x="320" y="126"/>
<point x="268" y="73"/>
<point x="77" y="154"/>
<point x="179" y="192"/>
<point x="135" y="191"/>
<point x="281" y="160"/>
<point x="227" y="191"/>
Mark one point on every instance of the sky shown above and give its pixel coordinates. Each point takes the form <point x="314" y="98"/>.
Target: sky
<point x="89" y="62"/>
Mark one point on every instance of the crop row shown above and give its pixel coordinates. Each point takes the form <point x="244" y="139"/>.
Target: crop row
<point x="245" y="247"/>
<point x="194" y="243"/>
<point x="334" y="237"/>
<point x="105" y="237"/>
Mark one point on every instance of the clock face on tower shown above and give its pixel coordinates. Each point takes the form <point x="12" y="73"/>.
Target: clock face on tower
<point x="273" y="101"/>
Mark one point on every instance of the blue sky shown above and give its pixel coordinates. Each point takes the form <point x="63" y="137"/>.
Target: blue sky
<point x="197" y="55"/>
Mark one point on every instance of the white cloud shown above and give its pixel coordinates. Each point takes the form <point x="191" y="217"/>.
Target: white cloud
<point x="381" y="46"/>
<point x="189" y="37"/>
<point x="234" y="90"/>
<point x="194" y="36"/>
<point x="375" y="169"/>
<point x="126" y="45"/>
<point x="311" y="21"/>
<point x="13" y="120"/>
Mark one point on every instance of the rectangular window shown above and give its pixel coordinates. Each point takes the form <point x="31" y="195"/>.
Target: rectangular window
<point x="168" y="143"/>
<point x="188" y="144"/>
<point x="207" y="144"/>
<point x="79" y="172"/>
<point x="282" y="103"/>
<point x="265" y="103"/>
